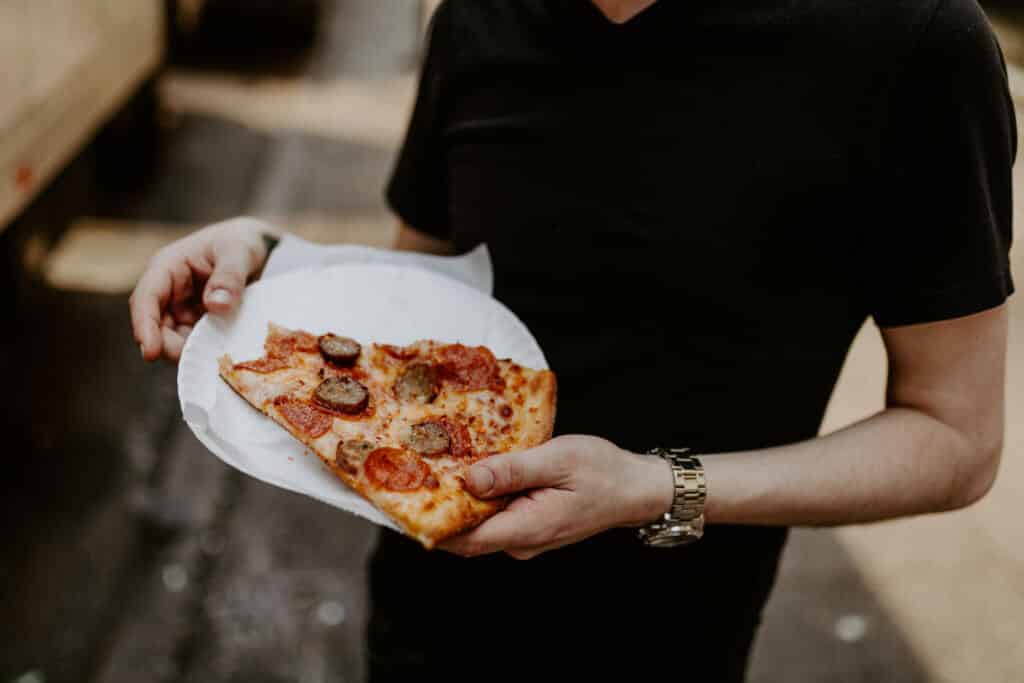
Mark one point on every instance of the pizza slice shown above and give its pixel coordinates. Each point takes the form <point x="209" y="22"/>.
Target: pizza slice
<point x="400" y="425"/>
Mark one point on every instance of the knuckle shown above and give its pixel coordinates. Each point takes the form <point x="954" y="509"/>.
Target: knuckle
<point x="163" y="260"/>
<point x="226" y="279"/>
<point x="162" y="255"/>
<point x="567" y="460"/>
<point x="222" y="241"/>
<point x="240" y="225"/>
<point x="514" y="475"/>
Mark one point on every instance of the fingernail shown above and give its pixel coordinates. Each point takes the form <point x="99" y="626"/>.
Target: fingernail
<point x="481" y="479"/>
<point x="142" y="350"/>
<point x="221" y="297"/>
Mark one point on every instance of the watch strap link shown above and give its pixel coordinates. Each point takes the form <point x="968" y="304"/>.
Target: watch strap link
<point x="690" y="487"/>
<point x="684" y="521"/>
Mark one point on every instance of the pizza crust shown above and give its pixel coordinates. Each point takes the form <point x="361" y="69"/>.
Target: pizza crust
<point x="540" y="407"/>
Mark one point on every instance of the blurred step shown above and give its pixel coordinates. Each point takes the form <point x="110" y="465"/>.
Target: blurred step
<point x="107" y="256"/>
<point x="367" y="111"/>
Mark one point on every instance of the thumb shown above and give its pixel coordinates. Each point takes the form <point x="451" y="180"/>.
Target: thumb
<point x="224" y="288"/>
<point x="507" y="473"/>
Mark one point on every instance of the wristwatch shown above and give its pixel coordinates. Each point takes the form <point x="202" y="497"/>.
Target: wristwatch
<point x="684" y="521"/>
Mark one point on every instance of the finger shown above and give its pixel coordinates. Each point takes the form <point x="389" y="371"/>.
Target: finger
<point x="184" y="313"/>
<point x="146" y="306"/>
<point x="518" y="526"/>
<point x="460" y="545"/>
<point x="532" y="552"/>
<point x="499" y="475"/>
<point x="181" y="282"/>
<point x="182" y="299"/>
<point x="231" y="264"/>
<point x="183" y="331"/>
<point x="172" y="344"/>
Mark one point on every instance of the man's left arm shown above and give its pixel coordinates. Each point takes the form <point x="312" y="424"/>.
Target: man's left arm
<point x="934" y="447"/>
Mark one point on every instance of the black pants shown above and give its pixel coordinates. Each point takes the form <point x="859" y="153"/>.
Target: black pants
<point x="604" y="607"/>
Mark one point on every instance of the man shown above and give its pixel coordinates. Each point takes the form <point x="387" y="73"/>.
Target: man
<point x="694" y="206"/>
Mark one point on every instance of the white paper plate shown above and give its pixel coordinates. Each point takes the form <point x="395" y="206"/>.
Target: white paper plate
<point x="393" y="304"/>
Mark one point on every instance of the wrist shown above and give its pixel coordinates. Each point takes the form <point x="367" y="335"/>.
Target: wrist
<point x="654" y="489"/>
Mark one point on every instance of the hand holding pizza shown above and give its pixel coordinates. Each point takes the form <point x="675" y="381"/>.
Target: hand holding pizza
<point x="572" y="488"/>
<point x="205" y="271"/>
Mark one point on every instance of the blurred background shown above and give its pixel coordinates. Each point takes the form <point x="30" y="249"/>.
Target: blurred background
<point x="130" y="554"/>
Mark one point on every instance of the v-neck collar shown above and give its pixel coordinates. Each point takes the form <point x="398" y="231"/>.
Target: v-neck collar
<point x="587" y="18"/>
<point x="636" y="18"/>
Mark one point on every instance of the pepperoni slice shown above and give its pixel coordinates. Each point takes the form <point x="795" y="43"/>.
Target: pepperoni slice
<point x="304" y="416"/>
<point x="304" y="341"/>
<point x="283" y="345"/>
<point x="279" y="347"/>
<point x="470" y="368"/>
<point x="396" y="470"/>
<point x="263" y="365"/>
<point x="458" y="435"/>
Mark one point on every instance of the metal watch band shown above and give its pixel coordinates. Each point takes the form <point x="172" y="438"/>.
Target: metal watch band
<point x="684" y="522"/>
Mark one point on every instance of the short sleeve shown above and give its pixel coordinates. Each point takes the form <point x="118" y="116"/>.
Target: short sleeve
<point x="417" y="190"/>
<point x="938" y="240"/>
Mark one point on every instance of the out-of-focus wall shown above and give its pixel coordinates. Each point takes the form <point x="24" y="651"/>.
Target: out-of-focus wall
<point x="66" y="66"/>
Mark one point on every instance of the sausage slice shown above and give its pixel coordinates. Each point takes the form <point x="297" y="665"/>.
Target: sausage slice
<point x="428" y="438"/>
<point x="351" y="454"/>
<point x="419" y="383"/>
<point x="339" y="350"/>
<point x="342" y="394"/>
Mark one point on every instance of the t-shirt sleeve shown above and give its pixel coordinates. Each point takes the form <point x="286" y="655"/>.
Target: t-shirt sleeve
<point x="417" y="191"/>
<point x="938" y="240"/>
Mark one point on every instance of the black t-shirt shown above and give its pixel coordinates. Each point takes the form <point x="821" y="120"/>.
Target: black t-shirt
<point x="695" y="211"/>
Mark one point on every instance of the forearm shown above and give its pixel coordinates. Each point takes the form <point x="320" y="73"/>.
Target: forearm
<point x="899" y="462"/>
